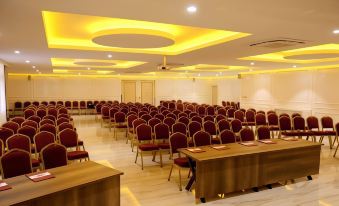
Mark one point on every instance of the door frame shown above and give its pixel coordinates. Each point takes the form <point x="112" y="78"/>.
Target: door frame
<point x="153" y="89"/>
<point x="123" y="89"/>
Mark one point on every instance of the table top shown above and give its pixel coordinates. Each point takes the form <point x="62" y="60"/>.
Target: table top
<point x="236" y="149"/>
<point x="66" y="177"/>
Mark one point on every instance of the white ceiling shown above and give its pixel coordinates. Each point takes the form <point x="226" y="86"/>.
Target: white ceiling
<point x="21" y="28"/>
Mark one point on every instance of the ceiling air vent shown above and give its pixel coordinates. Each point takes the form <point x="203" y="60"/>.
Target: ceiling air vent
<point x="278" y="43"/>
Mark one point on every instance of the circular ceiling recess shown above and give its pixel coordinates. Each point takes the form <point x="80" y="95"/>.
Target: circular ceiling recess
<point x="312" y="56"/>
<point x="133" y="41"/>
<point x="211" y="68"/>
<point x="94" y="63"/>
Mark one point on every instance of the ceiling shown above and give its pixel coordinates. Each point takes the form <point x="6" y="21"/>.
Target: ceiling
<point x="309" y="21"/>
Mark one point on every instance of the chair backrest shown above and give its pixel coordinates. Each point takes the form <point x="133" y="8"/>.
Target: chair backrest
<point x="62" y="110"/>
<point x="130" y="119"/>
<point x="68" y="138"/>
<point x="46" y="121"/>
<point x="53" y="155"/>
<point x="18" y="120"/>
<point x="284" y="115"/>
<point x="219" y="117"/>
<point x="28" y="113"/>
<point x="312" y="123"/>
<point x="43" y="138"/>
<point x="197" y="119"/>
<point x="210" y="128"/>
<point x="177" y="140"/>
<point x="35" y="118"/>
<point x="140" y="113"/>
<point x="146" y="117"/>
<point x="112" y="112"/>
<point x="285" y="123"/>
<point x="295" y="115"/>
<point x="160" y="116"/>
<point x="223" y="124"/>
<point x="12" y="126"/>
<point x="19" y="141"/>
<point x="119" y="117"/>
<point x="250" y="115"/>
<point x="227" y="136"/>
<point x="327" y="123"/>
<point x="152" y="122"/>
<point x="193" y="114"/>
<point x="201" y="110"/>
<point x="180" y="107"/>
<point x="299" y="123"/>
<point x="184" y="120"/>
<point x="65" y="125"/>
<point x="144" y="132"/>
<point x="28" y="131"/>
<point x="124" y="110"/>
<point x="169" y="121"/>
<point x="210" y="110"/>
<point x="273" y="119"/>
<point x="161" y="131"/>
<point x="222" y="111"/>
<point x="260" y="119"/>
<point x="138" y="122"/>
<point x="53" y="112"/>
<point x="263" y="132"/>
<point x="230" y="112"/>
<point x="5" y="133"/>
<point x="236" y="125"/>
<point x="50" y="117"/>
<point x="62" y="120"/>
<point x="247" y="134"/>
<point x="105" y="111"/>
<point x="2" y="147"/>
<point x="202" y="138"/>
<point x="337" y="128"/>
<point x="239" y="115"/>
<point x="260" y="112"/>
<point x="179" y="127"/>
<point x="193" y="127"/>
<point x="15" y="162"/>
<point x="209" y="118"/>
<point x="49" y="128"/>
<point x="171" y="115"/>
<point x="30" y="123"/>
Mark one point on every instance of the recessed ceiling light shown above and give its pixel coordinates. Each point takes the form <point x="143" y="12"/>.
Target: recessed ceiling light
<point x="27" y="61"/>
<point x="191" y="9"/>
<point x="220" y="73"/>
<point x="294" y="66"/>
<point x="17" y="52"/>
<point x="252" y="63"/>
<point x="109" y="56"/>
<point x="88" y="68"/>
<point x="33" y="67"/>
<point x="37" y="70"/>
<point x="79" y="73"/>
<point x="336" y="31"/>
<point x="199" y="75"/>
<point x="216" y="75"/>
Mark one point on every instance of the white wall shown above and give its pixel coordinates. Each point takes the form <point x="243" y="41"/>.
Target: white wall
<point x="228" y="90"/>
<point x="310" y="92"/>
<point x="2" y="95"/>
<point x="20" y="88"/>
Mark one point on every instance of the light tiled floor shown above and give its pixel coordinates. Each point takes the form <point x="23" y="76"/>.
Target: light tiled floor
<point x="150" y="187"/>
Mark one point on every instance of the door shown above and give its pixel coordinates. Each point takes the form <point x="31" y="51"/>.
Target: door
<point x="128" y="91"/>
<point x="147" y="92"/>
<point x="214" y="95"/>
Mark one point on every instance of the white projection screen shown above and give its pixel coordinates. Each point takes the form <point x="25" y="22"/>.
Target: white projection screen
<point x="3" y="108"/>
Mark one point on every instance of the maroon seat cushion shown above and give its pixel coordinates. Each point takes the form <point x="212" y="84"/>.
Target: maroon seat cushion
<point x="290" y="133"/>
<point x="35" y="162"/>
<point x="121" y="126"/>
<point x="181" y="161"/>
<point x="77" y="155"/>
<point x="164" y="145"/>
<point x="274" y="127"/>
<point x="148" y="147"/>
<point x="80" y="142"/>
<point x="331" y="133"/>
<point x="215" y="140"/>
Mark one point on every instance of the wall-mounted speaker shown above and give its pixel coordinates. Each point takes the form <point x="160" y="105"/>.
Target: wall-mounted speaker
<point x="29" y="77"/>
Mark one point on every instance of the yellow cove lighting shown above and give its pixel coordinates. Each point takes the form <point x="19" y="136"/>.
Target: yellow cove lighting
<point x="290" y="56"/>
<point x="94" y="63"/>
<point x="336" y="66"/>
<point x="210" y="68"/>
<point x="74" y="31"/>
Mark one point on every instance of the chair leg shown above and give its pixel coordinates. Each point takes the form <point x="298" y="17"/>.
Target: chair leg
<point x="142" y="161"/>
<point x="153" y="153"/>
<point x="330" y="141"/>
<point x="321" y="139"/>
<point x="170" y="173"/>
<point x="179" y="179"/>
<point x="160" y="153"/>
<point x="189" y="174"/>
<point x="336" y="150"/>
<point x="136" y="156"/>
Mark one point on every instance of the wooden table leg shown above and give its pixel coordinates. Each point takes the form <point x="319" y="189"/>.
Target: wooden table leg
<point x="192" y="179"/>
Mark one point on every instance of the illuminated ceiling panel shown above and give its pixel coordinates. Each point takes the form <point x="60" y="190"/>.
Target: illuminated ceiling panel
<point x="210" y="68"/>
<point x="82" y="32"/>
<point x="94" y="63"/>
<point x="305" y="55"/>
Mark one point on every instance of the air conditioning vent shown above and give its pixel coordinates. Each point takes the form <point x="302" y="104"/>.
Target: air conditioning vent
<point x="278" y="43"/>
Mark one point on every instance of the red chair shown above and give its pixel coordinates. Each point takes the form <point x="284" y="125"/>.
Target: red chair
<point x="295" y="115"/>
<point x="62" y="120"/>
<point x="65" y="125"/>
<point x="105" y="115"/>
<point x="28" y="131"/>
<point x="190" y="107"/>
<point x="69" y="138"/>
<point x="260" y="120"/>
<point x="222" y="125"/>
<point x="26" y="104"/>
<point x="178" y="141"/>
<point x="160" y="116"/>
<point x="230" y="113"/>
<point x="240" y="116"/>
<point x="23" y="142"/>
<point x="42" y="139"/>
<point x="261" y="112"/>
<point x="193" y="128"/>
<point x="180" y="107"/>
<point x="201" y="111"/>
<point x="18" y="120"/>
<point x="184" y="120"/>
<point x="179" y="127"/>
<point x="211" y="129"/>
<point x="130" y="131"/>
<point x="250" y="117"/>
<point x="135" y="124"/>
<point x="210" y="111"/>
<point x="222" y="112"/>
<point x="62" y="110"/>
<point x="68" y="105"/>
<point x="35" y="118"/>
<point x="202" y="138"/>
<point x="197" y="119"/>
<point x="5" y="133"/>
<point x="171" y="115"/>
<point x="140" y="113"/>
<point x="337" y="131"/>
<point x="193" y="114"/>
<point x="152" y="122"/>
<point x="220" y="117"/>
<point x="112" y="112"/>
<point x="227" y="137"/>
<point x="53" y="112"/>
<point x="273" y="122"/>
<point x="46" y="121"/>
<point x="236" y="125"/>
<point x="285" y="127"/>
<point x="146" y="117"/>
<point x="2" y="148"/>
<point x="162" y="134"/>
<point x="28" y="113"/>
<point x="144" y="134"/>
<point x="299" y="126"/>
<point x="14" y="163"/>
<point x="165" y="112"/>
<point x="169" y="122"/>
<point x="50" y="117"/>
<point x="270" y="112"/>
<point x="182" y="114"/>
<point x="30" y="123"/>
<point x="60" y="103"/>
<point x="284" y="115"/>
<point x="82" y="106"/>
<point x="44" y="103"/>
<point x="12" y="126"/>
<point x="208" y="118"/>
<point x="53" y="155"/>
<point x="263" y="132"/>
<point x="328" y="129"/>
<point x="246" y="134"/>
<point x="49" y="128"/>
<point x="120" y="123"/>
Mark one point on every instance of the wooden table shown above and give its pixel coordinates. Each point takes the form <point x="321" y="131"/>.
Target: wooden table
<point x="243" y="167"/>
<point x="84" y="184"/>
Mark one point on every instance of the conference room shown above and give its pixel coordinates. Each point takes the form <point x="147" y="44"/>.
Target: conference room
<point x="182" y="102"/>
